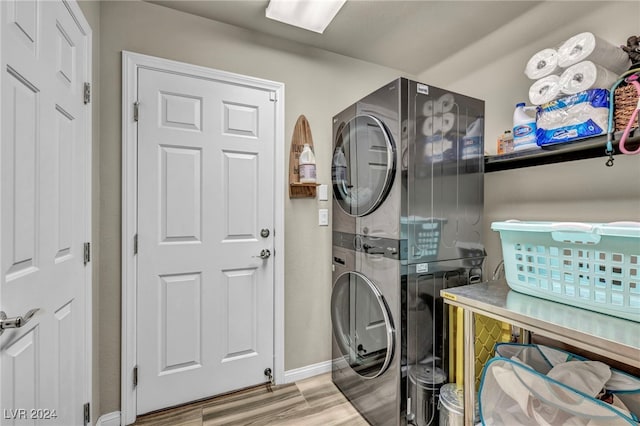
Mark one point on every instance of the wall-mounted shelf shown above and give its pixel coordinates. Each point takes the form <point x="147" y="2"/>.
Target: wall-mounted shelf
<point x="301" y="136"/>
<point x="577" y="150"/>
<point x="302" y="190"/>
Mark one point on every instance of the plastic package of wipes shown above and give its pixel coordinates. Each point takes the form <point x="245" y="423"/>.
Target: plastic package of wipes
<point x="574" y="117"/>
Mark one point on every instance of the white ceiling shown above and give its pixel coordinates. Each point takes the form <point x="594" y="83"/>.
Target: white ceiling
<point x="410" y="36"/>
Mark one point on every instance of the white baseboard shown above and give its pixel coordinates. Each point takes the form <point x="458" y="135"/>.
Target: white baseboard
<point x="305" y="372"/>
<point x="109" y="419"/>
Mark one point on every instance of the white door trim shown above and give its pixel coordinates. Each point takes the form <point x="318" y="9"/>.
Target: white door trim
<point x="85" y="28"/>
<point x="131" y="62"/>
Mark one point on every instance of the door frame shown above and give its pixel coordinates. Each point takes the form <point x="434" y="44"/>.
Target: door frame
<point x="87" y="138"/>
<point x="131" y="63"/>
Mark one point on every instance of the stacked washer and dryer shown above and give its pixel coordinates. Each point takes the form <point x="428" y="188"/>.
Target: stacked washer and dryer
<point x="407" y="222"/>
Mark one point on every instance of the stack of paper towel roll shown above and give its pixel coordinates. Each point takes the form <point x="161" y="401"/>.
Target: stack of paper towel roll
<point x="583" y="62"/>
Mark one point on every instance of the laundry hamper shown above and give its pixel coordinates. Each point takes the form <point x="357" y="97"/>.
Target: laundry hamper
<point x="515" y="389"/>
<point x="594" y="266"/>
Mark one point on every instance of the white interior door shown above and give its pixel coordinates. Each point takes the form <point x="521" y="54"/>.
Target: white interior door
<point x="45" y="212"/>
<point x="205" y="194"/>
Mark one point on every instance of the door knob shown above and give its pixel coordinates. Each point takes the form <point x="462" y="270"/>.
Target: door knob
<point x="15" y="322"/>
<point x="264" y="254"/>
<point x="264" y="233"/>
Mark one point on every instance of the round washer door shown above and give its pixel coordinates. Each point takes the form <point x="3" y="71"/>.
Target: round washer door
<point x="362" y="325"/>
<point x="364" y="163"/>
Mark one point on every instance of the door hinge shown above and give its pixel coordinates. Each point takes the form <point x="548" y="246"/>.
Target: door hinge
<point x="135" y="244"/>
<point x="87" y="413"/>
<point x="273" y="96"/>
<point x="135" y="376"/>
<point x="136" y="110"/>
<point x="87" y="253"/>
<point x="87" y="93"/>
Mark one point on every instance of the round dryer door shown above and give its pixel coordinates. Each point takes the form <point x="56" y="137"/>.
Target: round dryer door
<point x="362" y="324"/>
<point x="363" y="165"/>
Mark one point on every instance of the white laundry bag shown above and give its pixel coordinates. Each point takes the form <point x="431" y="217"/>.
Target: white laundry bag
<point x="540" y="385"/>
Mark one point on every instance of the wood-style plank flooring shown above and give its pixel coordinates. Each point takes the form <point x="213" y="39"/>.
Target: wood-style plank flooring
<point x="312" y="402"/>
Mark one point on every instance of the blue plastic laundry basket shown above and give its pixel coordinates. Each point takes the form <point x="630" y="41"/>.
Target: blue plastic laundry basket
<point x="594" y="266"/>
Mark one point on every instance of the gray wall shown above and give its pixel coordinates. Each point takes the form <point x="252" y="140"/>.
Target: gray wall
<point x="319" y="84"/>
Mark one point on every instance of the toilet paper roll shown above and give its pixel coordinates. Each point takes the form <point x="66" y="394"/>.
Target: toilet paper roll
<point x="545" y="90"/>
<point x="542" y="64"/>
<point x="586" y="46"/>
<point x="586" y="75"/>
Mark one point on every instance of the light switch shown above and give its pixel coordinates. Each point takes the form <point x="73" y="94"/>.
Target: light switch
<point x="323" y="193"/>
<point x="323" y="217"/>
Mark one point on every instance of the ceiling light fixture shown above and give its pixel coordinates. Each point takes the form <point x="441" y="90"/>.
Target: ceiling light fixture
<point x="312" y="15"/>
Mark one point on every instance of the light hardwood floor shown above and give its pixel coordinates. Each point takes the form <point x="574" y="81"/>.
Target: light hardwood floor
<point x="311" y="402"/>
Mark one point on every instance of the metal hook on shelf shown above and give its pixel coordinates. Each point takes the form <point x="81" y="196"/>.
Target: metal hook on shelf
<point x="609" y="151"/>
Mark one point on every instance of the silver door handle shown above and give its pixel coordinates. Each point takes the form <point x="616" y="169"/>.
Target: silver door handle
<point x="15" y="322"/>
<point x="264" y="254"/>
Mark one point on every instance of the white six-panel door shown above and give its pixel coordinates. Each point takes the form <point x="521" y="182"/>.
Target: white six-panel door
<point x="45" y="212"/>
<point x="205" y="195"/>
